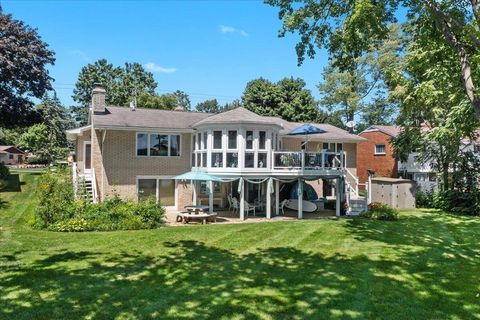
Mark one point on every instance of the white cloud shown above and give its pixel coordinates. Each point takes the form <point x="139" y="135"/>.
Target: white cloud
<point x="154" y="68"/>
<point x="81" y="54"/>
<point x="228" y="29"/>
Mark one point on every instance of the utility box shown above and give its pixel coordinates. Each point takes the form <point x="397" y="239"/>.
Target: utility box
<point x="398" y="193"/>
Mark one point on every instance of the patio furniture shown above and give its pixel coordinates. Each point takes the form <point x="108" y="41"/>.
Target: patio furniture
<point x="196" y="208"/>
<point x="259" y="204"/>
<point x="230" y="202"/>
<point x="249" y="208"/>
<point x="186" y="217"/>
<point x="235" y="205"/>
<point x="282" y="205"/>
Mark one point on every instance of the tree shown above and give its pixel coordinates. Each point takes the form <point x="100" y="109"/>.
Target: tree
<point x="232" y="105"/>
<point x="435" y="113"/>
<point x="348" y="29"/>
<point x="183" y="99"/>
<point x="121" y="85"/>
<point x="288" y="99"/>
<point x="56" y="118"/>
<point x="360" y="89"/>
<point x="24" y="58"/>
<point x="166" y="101"/>
<point x="211" y="106"/>
<point x="37" y="140"/>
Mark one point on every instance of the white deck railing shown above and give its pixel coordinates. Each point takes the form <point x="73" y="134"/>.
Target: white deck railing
<point x="289" y="160"/>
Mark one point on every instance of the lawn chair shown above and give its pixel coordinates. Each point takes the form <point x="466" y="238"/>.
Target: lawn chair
<point x="249" y="208"/>
<point x="282" y="205"/>
<point x="235" y="205"/>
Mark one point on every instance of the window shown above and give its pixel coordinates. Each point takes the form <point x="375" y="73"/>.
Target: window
<point x="249" y="140"/>
<point x="262" y="135"/>
<point x="217" y="139"/>
<point x="249" y="159"/>
<point x="379" y="149"/>
<point x="204" y="141"/>
<point x="217" y="160"/>
<point x="339" y="147"/>
<point x="325" y="146"/>
<point x="232" y="139"/>
<point x="232" y="160"/>
<point x="10" y="156"/>
<point x="262" y="160"/>
<point x="142" y="144"/>
<point x="162" y="190"/>
<point x="158" y="145"/>
<point x="204" y="187"/>
<point x="194" y="142"/>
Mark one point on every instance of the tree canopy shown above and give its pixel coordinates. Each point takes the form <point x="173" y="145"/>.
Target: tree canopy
<point x="287" y="98"/>
<point x="211" y="106"/>
<point x="24" y="58"/>
<point x="348" y="29"/>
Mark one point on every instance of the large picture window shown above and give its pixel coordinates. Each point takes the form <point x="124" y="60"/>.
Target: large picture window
<point x="158" y="145"/>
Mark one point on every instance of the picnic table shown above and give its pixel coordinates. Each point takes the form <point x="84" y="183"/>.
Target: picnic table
<point x="196" y="208"/>
<point x="186" y="217"/>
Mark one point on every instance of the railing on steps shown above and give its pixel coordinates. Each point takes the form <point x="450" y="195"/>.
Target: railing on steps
<point x="357" y="182"/>
<point x="75" y="179"/>
<point x="94" y="187"/>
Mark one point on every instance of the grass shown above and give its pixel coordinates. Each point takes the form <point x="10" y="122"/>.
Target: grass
<point x="424" y="266"/>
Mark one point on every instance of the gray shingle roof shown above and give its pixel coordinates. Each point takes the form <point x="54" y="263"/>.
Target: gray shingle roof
<point x="392" y="131"/>
<point x="147" y="118"/>
<point x="123" y="117"/>
<point x="237" y="115"/>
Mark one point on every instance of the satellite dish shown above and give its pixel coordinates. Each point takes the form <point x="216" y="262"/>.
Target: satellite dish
<point x="350" y="124"/>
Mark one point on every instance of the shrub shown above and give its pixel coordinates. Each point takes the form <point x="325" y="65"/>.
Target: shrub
<point x="58" y="211"/>
<point x="457" y="201"/>
<point x="37" y="160"/>
<point x="4" y="173"/>
<point x="380" y="211"/>
<point x="423" y="199"/>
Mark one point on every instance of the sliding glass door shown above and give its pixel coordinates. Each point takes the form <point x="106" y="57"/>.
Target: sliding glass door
<point x="162" y="190"/>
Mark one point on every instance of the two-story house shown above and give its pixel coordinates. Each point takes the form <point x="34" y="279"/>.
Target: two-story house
<point x="137" y="153"/>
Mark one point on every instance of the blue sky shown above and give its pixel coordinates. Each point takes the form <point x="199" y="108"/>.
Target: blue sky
<point x="209" y="49"/>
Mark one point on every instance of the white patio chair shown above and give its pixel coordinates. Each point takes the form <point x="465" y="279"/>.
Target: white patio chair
<point x="282" y="205"/>
<point x="249" y="208"/>
<point x="235" y="205"/>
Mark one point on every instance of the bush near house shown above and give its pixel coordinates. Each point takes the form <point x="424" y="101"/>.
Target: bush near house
<point x="59" y="211"/>
<point x="380" y="211"/>
<point x="4" y="173"/>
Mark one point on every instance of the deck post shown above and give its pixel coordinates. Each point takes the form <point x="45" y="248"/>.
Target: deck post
<point x="194" y="192"/>
<point x="242" y="200"/>
<point x="210" y="197"/>
<point x="277" y="197"/>
<point x="268" y="203"/>
<point x="300" y="198"/>
<point x="337" y="197"/>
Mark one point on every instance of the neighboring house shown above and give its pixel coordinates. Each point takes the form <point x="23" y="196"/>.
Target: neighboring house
<point x="136" y="153"/>
<point x="11" y="155"/>
<point x="377" y="152"/>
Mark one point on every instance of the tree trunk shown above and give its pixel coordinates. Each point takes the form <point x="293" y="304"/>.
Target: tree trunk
<point x="443" y="22"/>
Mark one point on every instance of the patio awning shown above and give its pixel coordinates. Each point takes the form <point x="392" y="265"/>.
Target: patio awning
<point x="197" y="176"/>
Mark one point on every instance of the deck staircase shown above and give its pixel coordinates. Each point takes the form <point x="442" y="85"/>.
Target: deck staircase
<point x="87" y="182"/>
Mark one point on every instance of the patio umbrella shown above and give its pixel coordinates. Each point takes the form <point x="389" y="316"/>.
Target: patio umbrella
<point x="197" y="176"/>
<point x="306" y="130"/>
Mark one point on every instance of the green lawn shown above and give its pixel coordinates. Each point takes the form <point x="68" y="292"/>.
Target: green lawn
<point x="425" y="266"/>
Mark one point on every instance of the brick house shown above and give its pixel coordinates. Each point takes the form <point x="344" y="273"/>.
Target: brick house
<point x="376" y="153"/>
<point x="138" y="153"/>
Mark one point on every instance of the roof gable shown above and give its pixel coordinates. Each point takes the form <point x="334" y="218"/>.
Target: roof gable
<point x="392" y="131"/>
<point x="237" y="115"/>
<point x="11" y="149"/>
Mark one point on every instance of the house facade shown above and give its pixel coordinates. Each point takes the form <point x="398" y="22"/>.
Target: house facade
<point x="376" y="153"/>
<point x="11" y="155"/>
<point x="137" y="153"/>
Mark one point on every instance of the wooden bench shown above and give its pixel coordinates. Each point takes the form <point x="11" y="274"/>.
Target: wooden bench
<point x="186" y="217"/>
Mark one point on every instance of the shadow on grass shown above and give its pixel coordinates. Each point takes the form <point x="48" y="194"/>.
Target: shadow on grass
<point x="195" y="281"/>
<point x="13" y="183"/>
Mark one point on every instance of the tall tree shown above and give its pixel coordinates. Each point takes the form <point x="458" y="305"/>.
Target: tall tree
<point x="211" y="106"/>
<point x="24" y="58"/>
<point x="183" y="99"/>
<point x="166" y="101"/>
<point x="121" y="84"/>
<point x="288" y="99"/>
<point x="359" y="90"/>
<point x="347" y="29"/>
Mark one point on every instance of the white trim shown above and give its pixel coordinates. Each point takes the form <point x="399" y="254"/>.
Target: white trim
<point x="145" y="129"/>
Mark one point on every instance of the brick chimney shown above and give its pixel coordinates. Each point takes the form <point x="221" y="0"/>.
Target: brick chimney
<point x="98" y="98"/>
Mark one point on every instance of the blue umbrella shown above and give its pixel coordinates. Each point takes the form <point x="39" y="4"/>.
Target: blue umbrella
<point x="305" y="130"/>
<point x="197" y="176"/>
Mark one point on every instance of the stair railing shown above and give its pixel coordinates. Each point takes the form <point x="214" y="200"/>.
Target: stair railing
<point x="357" y="182"/>
<point x="94" y="187"/>
<point x="75" y="179"/>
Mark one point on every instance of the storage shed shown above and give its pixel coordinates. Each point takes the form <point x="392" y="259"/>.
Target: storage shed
<point x="398" y="193"/>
